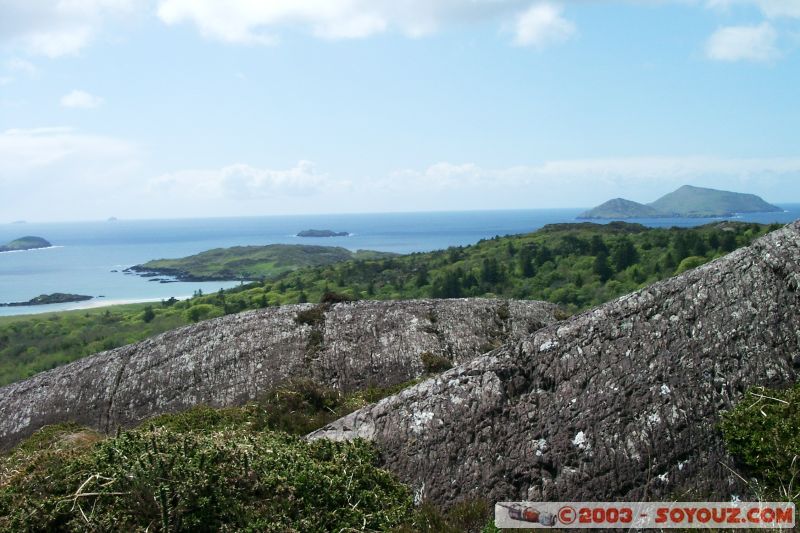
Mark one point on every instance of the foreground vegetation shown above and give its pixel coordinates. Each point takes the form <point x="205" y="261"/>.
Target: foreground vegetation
<point x="236" y="469"/>
<point x="575" y="265"/>
<point x="763" y="434"/>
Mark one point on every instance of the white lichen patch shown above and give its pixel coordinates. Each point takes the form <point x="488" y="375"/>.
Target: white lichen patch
<point x="548" y="345"/>
<point x="581" y="442"/>
<point x="665" y="390"/>
<point x="420" y="419"/>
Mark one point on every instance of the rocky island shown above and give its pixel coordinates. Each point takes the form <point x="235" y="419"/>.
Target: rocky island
<point x="25" y="243"/>
<point x="686" y="202"/>
<point x="45" y="299"/>
<point x="322" y="233"/>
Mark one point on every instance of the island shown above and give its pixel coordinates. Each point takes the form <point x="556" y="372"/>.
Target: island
<point x="248" y="263"/>
<point x="25" y="243"/>
<point x="322" y="233"/>
<point x="45" y="299"/>
<point x="685" y="202"/>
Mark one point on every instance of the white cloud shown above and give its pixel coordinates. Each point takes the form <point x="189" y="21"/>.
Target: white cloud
<point x="256" y="22"/>
<point x="28" y="152"/>
<point x="593" y="172"/>
<point x="80" y="100"/>
<point x="743" y="43"/>
<point x="241" y="181"/>
<point x="56" y="27"/>
<point x="22" y="66"/>
<point x="542" y="25"/>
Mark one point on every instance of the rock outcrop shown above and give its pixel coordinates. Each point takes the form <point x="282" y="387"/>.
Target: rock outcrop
<point x="620" y="402"/>
<point x="233" y="359"/>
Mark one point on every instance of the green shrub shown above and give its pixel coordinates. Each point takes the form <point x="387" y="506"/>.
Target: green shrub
<point x="199" y="312"/>
<point x="690" y="263"/>
<point x="314" y="316"/>
<point x="763" y="434"/>
<point x="435" y="364"/>
<point x="159" y="479"/>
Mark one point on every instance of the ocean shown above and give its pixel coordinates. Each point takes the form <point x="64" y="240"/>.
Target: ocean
<point x="86" y="255"/>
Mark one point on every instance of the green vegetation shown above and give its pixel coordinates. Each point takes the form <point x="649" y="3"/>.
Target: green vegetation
<point x="763" y="434"/>
<point x="25" y="243"/>
<point x="252" y="262"/>
<point x="236" y="469"/>
<point x="687" y="201"/>
<point x="55" y="298"/>
<point x="574" y="265"/>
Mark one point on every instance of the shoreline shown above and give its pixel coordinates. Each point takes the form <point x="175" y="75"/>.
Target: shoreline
<point x="95" y="303"/>
<point x="31" y="249"/>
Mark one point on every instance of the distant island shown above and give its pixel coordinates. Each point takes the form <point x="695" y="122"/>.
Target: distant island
<point x="686" y="202"/>
<point x="249" y="262"/>
<point x="25" y="243"/>
<point x="55" y="298"/>
<point x="322" y="233"/>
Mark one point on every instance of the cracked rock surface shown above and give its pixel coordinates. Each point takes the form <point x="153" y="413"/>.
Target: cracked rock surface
<point x="233" y="359"/>
<point x="618" y="403"/>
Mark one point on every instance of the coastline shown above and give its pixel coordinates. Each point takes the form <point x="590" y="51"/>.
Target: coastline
<point x="83" y="306"/>
<point x="31" y="249"/>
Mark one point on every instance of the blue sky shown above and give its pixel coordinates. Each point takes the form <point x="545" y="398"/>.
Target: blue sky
<point x="179" y="108"/>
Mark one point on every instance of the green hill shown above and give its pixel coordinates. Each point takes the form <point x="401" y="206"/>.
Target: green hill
<point x="251" y="262"/>
<point x="691" y="201"/>
<point x="25" y="243"/>
<point x="686" y="202"/>
<point x="620" y="209"/>
<point x="574" y="265"/>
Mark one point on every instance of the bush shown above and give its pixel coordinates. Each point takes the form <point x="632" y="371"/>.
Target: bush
<point x="199" y="312"/>
<point x="690" y="263"/>
<point x="763" y="434"/>
<point x="314" y="316"/>
<point x="159" y="479"/>
<point x="435" y="364"/>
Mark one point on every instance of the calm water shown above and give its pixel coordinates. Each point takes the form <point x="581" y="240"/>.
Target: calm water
<point x="87" y="252"/>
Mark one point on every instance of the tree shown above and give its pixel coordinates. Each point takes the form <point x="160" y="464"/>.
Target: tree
<point x="602" y="268"/>
<point x="148" y="315"/>
<point x="597" y="245"/>
<point x="526" y="263"/>
<point x="624" y="254"/>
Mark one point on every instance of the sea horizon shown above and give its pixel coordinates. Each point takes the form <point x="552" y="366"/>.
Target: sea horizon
<point x="88" y="257"/>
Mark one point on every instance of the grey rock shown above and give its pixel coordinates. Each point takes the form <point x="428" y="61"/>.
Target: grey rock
<point x="618" y="403"/>
<point x="233" y="359"/>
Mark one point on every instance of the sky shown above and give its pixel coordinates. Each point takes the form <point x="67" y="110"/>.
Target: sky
<point x="197" y="108"/>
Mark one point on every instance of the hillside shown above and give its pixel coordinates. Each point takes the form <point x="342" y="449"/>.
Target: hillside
<point x="25" y="243"/>
<point x="621" y="403"/>
<point x="691" y="201"/>
<point x="250" y="262"/>
<point x="620" y="209"/>
<point x="574" y="265"/>
<point x="685" y="202"/>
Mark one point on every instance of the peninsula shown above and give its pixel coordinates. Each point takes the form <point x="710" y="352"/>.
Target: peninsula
<point x="250" y="262"/>
<point x="25" y="243"/>
<point x="686" y="202"/>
